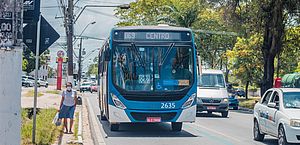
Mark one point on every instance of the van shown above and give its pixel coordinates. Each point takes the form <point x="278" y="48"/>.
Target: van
<point x="212" y="95"/>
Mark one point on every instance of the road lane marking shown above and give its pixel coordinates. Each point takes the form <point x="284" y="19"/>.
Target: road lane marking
<point x="211" y="137"/>
<point x="217" y="132"/>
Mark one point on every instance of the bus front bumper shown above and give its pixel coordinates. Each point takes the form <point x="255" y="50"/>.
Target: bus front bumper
<point x="128" y="115"/>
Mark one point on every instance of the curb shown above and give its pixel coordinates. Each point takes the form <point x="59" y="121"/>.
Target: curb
<point x="94" y="127"/>
<point x="246" y="109"/>
<point x="79" y="135"/>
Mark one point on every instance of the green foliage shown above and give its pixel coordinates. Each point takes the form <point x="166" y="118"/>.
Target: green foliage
<point x="246" y="59"/>
<point x="289" y="57"/>
<point x="298" y="68"/>
<point x="93" y="69"/>
<point x="28" y="64"/>
<point x="46" y="131"/>
<point x="152" y="12"/>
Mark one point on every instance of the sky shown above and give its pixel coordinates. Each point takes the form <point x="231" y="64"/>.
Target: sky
<point x="104" y="18"/>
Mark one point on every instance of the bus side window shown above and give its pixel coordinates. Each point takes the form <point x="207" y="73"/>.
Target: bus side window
<point x="101" y="60"/>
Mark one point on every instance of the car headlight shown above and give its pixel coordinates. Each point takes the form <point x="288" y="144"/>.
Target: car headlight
<point x="225" y="100"/>
<point x="117" y="102"/>
<point x="295" y="122"/>
<point x="188" y="103"/>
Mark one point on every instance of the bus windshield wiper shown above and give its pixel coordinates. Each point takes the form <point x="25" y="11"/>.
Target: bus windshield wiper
<point x="167" y="53"/>
<point x="138" y="55"/>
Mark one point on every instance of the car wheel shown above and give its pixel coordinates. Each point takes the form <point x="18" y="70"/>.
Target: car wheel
<point x="46" y="86"/>
<point x="176" y="126"/>
<point x="281" y="136"/>
<point x="256" y="132"/>
<point x="114" y="127"/>
<point x="225" y="114"/>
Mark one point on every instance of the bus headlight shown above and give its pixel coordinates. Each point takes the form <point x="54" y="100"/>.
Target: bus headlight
<point x="295" y="123"/>
<point x="117" y="102"/>
<point x="189" y="102"/>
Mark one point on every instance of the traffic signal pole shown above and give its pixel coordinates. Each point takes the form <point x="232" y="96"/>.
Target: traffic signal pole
<point x="11" y="22"/>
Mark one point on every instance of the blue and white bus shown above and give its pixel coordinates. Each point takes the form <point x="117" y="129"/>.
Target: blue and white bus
<point x="148" y="74"/>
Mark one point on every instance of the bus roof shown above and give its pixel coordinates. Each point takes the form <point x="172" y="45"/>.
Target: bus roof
<point x="170" y="28"/>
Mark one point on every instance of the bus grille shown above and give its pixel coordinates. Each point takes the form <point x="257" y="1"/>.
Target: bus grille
<point x="153" y="97"/>
<point x="138" y="116"/>
<point x="211" y="100"/>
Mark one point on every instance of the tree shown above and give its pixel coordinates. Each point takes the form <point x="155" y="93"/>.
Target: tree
<point x="274" y="16"/>
<point x="93" y="69"/>
<point x="245" y="60"/>
<point x="152" y="12"/>
<point x="29" y="59"/>
<point x="267" y="17"/>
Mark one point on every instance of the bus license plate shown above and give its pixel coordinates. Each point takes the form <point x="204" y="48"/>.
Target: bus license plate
<point x="211" y="107"/>
<point x="153" y="119"/>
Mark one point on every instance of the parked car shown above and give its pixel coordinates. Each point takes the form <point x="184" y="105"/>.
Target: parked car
<point x="240" y="92"/>
<point x="42" y="82"/>
<point x="233" y="101"/>
<point x="94" y="88"/>
<point x="27" y="83"/>
<point x="85" y="87"/>
<point x="277" y="114"/>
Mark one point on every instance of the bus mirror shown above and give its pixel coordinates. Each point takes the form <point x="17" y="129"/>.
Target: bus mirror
<point x="107" y="55"/>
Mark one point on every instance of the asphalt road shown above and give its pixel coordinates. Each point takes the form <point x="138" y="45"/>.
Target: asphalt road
<point x="208" y="129"/>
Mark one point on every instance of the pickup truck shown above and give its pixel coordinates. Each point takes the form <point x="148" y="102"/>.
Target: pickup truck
<point x="278" y="115"/>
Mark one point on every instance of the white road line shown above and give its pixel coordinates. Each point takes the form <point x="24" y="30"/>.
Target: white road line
<point x="217" y="132"/>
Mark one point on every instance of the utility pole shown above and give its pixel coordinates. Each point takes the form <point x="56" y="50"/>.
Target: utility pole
<point x="11" y="22"/>
<point x="79" y="63"/>
<point x="69" y="31"/>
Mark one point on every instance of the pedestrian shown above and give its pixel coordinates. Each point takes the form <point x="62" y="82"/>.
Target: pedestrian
<point x="67" y="106"/>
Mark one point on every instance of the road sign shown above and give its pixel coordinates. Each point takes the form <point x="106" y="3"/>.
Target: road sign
<point x="48" y="36"/>
<point x="60" y="53"/>
<point x="31" y="11"/>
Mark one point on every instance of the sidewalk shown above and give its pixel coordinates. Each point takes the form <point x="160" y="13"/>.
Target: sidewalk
<point x="51" y="100"/>
<point x="47" y="100"/>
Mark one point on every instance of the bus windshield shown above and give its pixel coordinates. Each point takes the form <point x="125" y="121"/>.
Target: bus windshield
<point x="211" y="80"/>
<point x="152" y="68"/>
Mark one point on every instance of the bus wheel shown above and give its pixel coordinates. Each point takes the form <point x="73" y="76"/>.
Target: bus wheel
<point x="176" y="126"/>
<point x="114" y="127"/>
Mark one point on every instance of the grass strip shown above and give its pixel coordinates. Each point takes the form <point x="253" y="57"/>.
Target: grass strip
<point x="248" y="103"/>
<point x="46" y="131"/>
<point x="31" y="94"/>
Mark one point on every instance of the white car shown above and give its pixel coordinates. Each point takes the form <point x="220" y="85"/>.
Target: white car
<point x="278" y="115"/>
<point x="212" y="95"/>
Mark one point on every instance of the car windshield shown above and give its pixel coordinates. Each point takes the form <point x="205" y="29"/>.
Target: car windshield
<point x="211" y="80"/>
<point x="152" y="68"/>
<point x="85" y="84"/>
<point x="291" y="100"/>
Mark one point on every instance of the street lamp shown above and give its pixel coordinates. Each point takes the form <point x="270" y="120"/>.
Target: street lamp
<point x="91" y="23"/>
<point x="80" y="51"/>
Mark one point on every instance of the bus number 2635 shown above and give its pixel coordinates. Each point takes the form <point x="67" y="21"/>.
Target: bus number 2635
<point x="167" y="105"/>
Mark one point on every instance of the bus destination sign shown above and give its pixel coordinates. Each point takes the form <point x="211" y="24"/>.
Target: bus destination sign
<point x="152" y="36"/>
